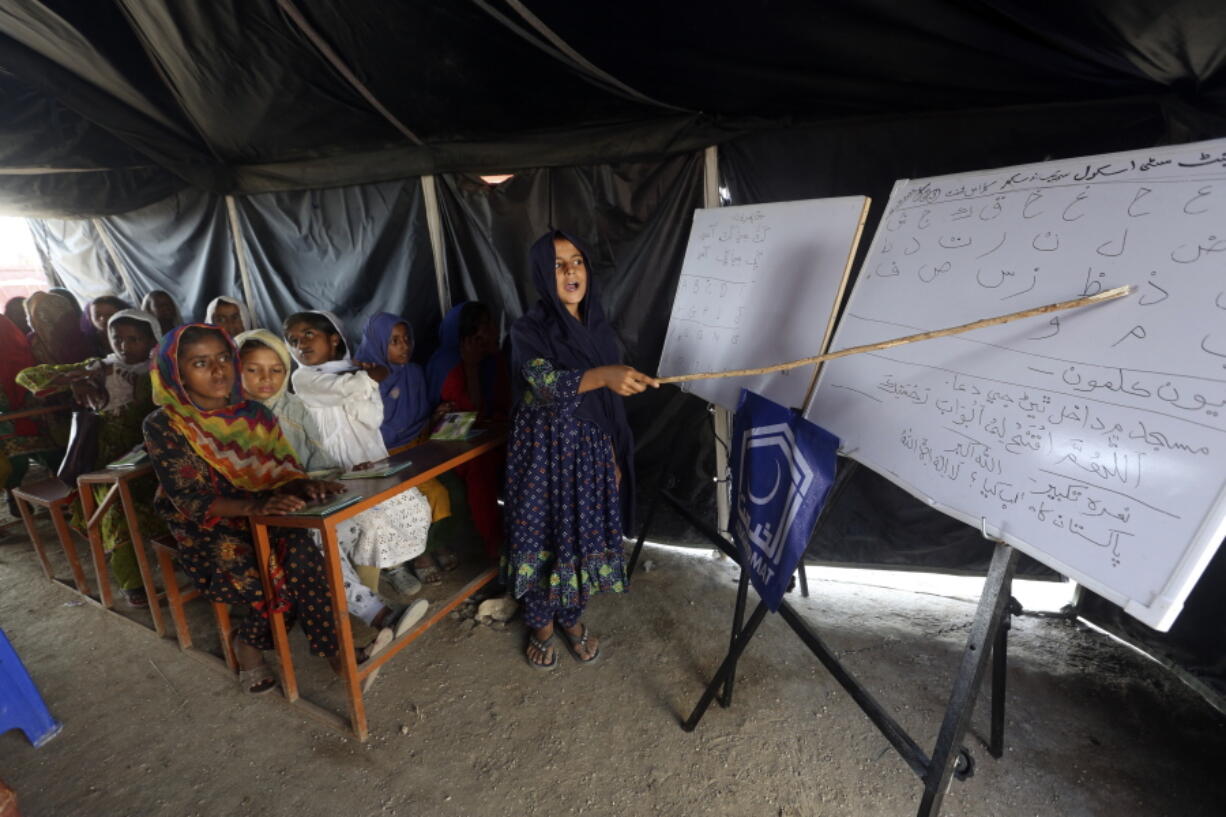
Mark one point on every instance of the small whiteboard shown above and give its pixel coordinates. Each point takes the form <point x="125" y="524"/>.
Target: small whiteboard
<point x="759" y="285"/>
<point x="1094" y="440"/>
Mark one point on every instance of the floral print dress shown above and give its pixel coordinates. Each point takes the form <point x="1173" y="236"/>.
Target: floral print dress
<point x="218" y="554"/>
<point x="564" y="535"/>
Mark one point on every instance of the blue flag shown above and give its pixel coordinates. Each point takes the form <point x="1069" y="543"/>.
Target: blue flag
<point x="782" y="470"/>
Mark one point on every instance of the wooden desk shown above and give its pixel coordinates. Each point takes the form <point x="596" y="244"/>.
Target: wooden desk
<point x="429" y="460"/>
<point x="37" y="411"/>
<point x="55" y="495"/>
<point x="120" y="480"/>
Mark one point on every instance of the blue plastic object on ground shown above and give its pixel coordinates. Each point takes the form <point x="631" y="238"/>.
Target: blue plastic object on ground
<point x="21" y="707"/>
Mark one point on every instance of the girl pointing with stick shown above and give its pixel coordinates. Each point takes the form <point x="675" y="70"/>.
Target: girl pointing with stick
<point x="570" y="459"/>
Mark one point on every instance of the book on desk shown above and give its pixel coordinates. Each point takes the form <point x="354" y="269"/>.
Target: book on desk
<point x="327" y="506"/>
<point x="137" y="456"/>
<point x="380" y="469"/>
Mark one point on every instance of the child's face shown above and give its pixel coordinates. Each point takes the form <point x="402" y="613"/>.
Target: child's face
<point x="263" y="373"/>
<point x="571" y="272"/>
<point x="99" y="314"/>
<point x="207" y="372"/>
<point x="164" y="310"/>
<point x="399" y="347"/>
<point x="312" y="346"/>
<point x="229" y="318"/>
<point x="131" y="343"/>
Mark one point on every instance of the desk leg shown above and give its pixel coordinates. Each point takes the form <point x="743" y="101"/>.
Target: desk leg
<point x="27" y="516"/>
<point x="142" y="559"/>
<point x="344" y="632"/>
<point x="280" y="637"/>
<point x="70" y="550"/>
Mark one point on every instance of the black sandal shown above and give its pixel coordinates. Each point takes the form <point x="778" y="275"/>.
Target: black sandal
<point x="544" y="647"/>
<point x="573" y="643"/>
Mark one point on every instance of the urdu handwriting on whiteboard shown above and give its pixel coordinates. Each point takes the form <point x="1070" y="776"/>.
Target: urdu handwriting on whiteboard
<point x="759" y="284"/>
<point x="1092" y="440"/>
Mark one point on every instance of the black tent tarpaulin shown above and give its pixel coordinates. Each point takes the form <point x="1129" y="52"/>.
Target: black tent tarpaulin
<point x="315" y="117"/>
<point x="112" y="105"/>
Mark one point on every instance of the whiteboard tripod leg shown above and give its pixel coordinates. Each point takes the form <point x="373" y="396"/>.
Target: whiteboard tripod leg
<point x="990" y="617"/>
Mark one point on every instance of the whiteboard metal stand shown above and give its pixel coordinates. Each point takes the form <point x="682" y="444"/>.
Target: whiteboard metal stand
<point x="986" y="643"/>
<point x="718" y="538"/>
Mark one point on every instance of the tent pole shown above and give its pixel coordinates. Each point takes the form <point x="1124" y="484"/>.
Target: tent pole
<point x="434" y="225"/>
<point x="720" y="416"/>
<point x="240" y="254"/>
<point x="120" y="268"/>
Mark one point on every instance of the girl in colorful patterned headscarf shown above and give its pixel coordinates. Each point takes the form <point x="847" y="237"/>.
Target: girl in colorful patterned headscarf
<point x="219" y="459"/>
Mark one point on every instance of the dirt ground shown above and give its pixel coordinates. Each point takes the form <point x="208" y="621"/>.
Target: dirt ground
<point x="460" y="725"/>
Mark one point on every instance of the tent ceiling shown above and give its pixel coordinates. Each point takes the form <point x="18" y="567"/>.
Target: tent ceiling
<point x="232" y="95"/>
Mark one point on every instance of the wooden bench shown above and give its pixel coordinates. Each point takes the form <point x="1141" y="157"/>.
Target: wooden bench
<point x="177" y="597"/>
<point x="55" y="495"/>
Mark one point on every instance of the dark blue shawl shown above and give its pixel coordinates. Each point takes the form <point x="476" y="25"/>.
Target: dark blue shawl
<point x="548" y="331"/>
<point x="406" y="407"/>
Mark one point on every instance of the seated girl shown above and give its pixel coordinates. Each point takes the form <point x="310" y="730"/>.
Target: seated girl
<point x="230" y="314"/>
<point x="345" y="403"/>
<point x="95" y="320"/>
<point x="472" y="375"/>
<point x="264" y="364"/>
<point x="163" y="307"/>
<point x="117" y="388"/>
<point x="385" y="354"/>
<point x="219" y="459"/>
<point x="55" y="335"/>
<point x="22" y="439"/>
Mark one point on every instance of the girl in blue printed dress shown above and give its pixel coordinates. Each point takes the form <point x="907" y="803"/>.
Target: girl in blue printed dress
<point x="570" y="459"/>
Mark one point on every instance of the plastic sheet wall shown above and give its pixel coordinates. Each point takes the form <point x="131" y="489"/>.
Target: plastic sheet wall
<point x="354" y="250"/>
<point x="634" y="220"/>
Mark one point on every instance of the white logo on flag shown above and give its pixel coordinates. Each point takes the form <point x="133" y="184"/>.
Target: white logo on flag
<point x="768" y="536"/>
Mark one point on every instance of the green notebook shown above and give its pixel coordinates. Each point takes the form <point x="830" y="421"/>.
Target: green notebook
<point x="458" y="425"/>
<point x="328" y="506"/>
<point x="137" y="456"/>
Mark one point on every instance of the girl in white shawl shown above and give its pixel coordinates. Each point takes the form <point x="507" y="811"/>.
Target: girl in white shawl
<point x="230" y="314"/>
<point x="347" y="408"/>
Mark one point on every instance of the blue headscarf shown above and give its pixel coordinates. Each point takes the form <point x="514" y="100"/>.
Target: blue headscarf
<point x="447" y="356"/>
<point x="406" y="406"/>
<point x="549" y="331"/>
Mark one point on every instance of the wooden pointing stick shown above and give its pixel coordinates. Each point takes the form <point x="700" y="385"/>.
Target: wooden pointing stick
<point x="1107" y="295"/>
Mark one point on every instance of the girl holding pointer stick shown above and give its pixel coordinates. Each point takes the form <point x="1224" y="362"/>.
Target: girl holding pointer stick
<point x="570" y="458"/>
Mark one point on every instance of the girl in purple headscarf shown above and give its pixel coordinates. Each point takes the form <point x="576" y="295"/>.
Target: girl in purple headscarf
<point x="570" y="469"/>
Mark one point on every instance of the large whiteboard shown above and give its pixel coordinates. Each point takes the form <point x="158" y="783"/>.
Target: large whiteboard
<point x="760" y="285"/>
<point x="1093" y="440"/>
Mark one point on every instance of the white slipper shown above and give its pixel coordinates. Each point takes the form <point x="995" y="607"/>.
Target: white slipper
<point x="400" y="625"/>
